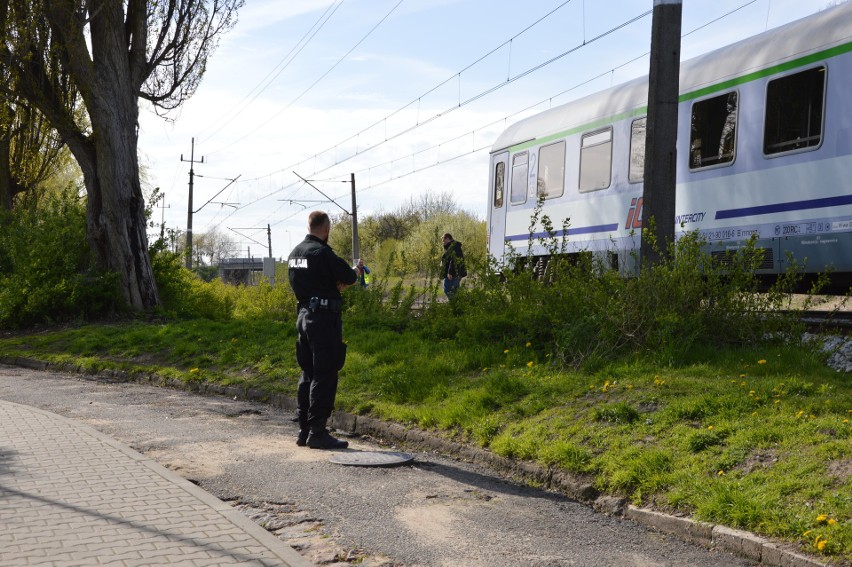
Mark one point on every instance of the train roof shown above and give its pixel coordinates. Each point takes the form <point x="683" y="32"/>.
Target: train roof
<point x="812" y="34"/>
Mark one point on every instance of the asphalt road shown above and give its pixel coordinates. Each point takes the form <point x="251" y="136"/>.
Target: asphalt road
<point x="433" y="512"/>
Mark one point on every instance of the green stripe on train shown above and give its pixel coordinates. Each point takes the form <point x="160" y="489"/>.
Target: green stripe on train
<point x="641" y="111"/>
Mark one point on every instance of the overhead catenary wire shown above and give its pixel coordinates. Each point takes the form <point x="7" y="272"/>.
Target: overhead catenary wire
<point x="457" y="74"/>
<point x="289" y="58"/>
<point x="525" y="73"/>
<point x="444" y="112"/>
<point x="315" y="83"/>
<point x="516" y="77"/>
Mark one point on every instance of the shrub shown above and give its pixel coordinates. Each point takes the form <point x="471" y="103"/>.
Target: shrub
<point x="585" y="314"/>
<point x="47" y="274"/>
<point x="184" y="294"/>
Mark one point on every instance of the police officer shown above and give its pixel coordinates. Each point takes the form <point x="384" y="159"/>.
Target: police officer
<point x="317" y="276"/>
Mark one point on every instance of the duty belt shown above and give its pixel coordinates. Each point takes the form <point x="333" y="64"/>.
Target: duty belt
<point x="322" y="304"/>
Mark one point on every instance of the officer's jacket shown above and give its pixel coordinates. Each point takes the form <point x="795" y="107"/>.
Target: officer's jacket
<point x="314" y="270"/>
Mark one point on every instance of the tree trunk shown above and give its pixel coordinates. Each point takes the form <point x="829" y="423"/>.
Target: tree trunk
<point x="115" y="217"/>
<point x="115" y="213"/>
<point x="6" y="181"/>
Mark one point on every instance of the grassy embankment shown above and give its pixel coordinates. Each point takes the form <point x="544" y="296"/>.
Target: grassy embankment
<point x="673" y="392"/>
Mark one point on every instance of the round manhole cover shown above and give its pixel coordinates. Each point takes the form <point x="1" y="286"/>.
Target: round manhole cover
<point x="371" y="458"/>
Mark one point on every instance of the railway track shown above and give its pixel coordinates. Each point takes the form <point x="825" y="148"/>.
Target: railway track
<point x="827" y="321"/>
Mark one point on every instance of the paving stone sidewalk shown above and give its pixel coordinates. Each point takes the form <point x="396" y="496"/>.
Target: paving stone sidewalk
<point x="71" y="496"/>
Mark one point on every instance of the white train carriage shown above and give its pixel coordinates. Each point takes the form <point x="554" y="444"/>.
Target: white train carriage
<point x="764" y="148"/>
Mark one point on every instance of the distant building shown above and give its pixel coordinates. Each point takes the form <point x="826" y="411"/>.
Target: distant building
<point x="236" y="271"/>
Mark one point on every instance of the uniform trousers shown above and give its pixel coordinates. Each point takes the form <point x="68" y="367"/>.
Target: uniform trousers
<point x="321" y="353"/>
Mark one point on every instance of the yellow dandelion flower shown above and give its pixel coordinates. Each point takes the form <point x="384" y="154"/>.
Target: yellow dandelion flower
<point x="831" y="521"/>
<point x="751" y="392"/>
<point x="845" y="421"/>
<point x="800" y="413"/>
<point x="821" y="518"/>
<point x="528" y="345"/>
<point x="821" y="544"/>
<point x="807" y="533"/>
<point x="630" y="387"/>
<point x="742" y="375"/>
<point x="530" y="364"/>
<point x="192" y="371"/>
<point x="762" y="361"/>
<point x="743" y="384"/>
<point x="709" y="427"/>
<point x="506" y="351"/>
<point x="721" y="473"/>
<point x="485" y="369"/>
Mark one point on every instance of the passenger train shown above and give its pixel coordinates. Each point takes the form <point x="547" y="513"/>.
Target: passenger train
<point x="764" y="150"/>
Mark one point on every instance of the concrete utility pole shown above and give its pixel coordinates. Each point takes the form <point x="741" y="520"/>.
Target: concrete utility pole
<point x="191" y="161"/>
<point x="658" y="203"/>
<point x="354" y="214"/>
<point x="163" y="206"/>
<point x="356" y="248"/>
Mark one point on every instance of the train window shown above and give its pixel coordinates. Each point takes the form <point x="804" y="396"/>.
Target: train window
<point x="714" y="128"/>
<point x="596" y="160"/>
<point x="636" y="172"/>
<point x="794" y="108"/>
<point x="520" y="168"/>
<point x="551" y="170"/>
<point x="499" y="183"/>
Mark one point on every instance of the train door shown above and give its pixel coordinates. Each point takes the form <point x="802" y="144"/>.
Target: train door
<point x="497" y="206"/>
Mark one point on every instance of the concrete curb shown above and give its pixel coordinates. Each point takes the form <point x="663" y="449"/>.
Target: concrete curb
<point x="741" y="543"/>
<point x="744" y="544"/>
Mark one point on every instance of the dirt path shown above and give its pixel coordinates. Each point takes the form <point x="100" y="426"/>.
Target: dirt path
<point x="433" y="512"/>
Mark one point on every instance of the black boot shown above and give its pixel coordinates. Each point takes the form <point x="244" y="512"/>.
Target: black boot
<point x="304" y="430"/>
<point x="322" y="439"/>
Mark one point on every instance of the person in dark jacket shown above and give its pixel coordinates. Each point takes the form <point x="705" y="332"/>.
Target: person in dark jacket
<point x="318" y="276"/>
<point x="452" y="265"/>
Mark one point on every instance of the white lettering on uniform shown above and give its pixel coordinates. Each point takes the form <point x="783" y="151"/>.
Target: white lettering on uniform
<point x="298" y="263"/>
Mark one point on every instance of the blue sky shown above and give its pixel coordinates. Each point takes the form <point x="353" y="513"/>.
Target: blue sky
<point x="406" y="110"/>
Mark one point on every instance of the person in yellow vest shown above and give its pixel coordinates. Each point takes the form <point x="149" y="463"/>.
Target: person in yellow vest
<point x="363" y="273"/>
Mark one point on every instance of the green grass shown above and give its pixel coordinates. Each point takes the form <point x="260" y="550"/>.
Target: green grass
<point x="680" y="389"/>
<point x="753" y="438"/>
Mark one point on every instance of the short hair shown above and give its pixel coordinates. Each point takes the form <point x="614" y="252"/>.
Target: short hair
<point x="318" y="219"/>
<point x="447" y="235"/>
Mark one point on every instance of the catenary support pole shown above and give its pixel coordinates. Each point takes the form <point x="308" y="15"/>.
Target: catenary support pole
<point x="658" y="203"/>
<point x="191" y="161"/>
<point x="356" y="249"/>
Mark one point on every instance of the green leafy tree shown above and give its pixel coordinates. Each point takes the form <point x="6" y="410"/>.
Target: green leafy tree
<point x="30" y="149"/>
<point x="114" y="53"/>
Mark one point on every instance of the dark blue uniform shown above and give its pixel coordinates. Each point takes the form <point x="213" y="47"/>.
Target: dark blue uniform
<point x="314" y="271"/>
